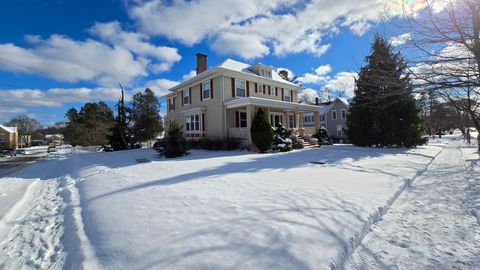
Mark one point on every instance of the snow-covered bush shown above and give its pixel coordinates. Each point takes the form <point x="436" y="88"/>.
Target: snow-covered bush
<point x="296" y="142"/>
<point x="281" y="139"/>
<point x="323" y="137"/>
<point x="313" y="141"/>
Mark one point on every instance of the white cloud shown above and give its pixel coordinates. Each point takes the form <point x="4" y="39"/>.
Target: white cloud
<point x="189" y="75"/>
<point x="251" y="28"/>
<point x="308" y="95"/>
<point x="400" y="39"/>
<point x="119" y="56"/>
<point x="160" y="87"/>
<point x="137" y="43"/>
<point x="318" y="77"/>
<point x="342" y="84"/>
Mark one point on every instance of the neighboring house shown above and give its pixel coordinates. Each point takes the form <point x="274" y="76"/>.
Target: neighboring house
<point x="54" y="139"/>
<point x="333" y="116"/>
<point x="220" y="102"/>
<point x="8" y="137"/>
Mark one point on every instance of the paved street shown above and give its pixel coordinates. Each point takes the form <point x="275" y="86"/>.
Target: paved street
<point x="9" y="165"/>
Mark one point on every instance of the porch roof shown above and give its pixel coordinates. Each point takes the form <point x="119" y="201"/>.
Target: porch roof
<point x="270" y="103"/>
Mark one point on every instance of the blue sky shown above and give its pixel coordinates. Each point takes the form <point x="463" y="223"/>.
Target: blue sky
<point x="59" y="54"/>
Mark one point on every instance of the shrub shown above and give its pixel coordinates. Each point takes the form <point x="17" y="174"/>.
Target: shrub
<point x="281" y="139"/>
<point x="175" y="143"/>
<point x="215" y="144"/>
<point x="323" y="137"/>
<point x="296" y="142"/>
<point x="159" y="146"/>
<point x="261" y="131"/>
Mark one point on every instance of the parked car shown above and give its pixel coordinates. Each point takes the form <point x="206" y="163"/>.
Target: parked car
<point x="7" y="152"/>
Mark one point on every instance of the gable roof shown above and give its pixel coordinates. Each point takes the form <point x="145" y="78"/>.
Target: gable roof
<point x="9" y="129"/>
<point x="237" y="67"/>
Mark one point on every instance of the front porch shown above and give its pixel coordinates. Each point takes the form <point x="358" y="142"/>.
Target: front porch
<point x="240" y="113"/>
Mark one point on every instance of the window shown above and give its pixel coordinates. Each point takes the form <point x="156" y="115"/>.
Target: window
<point x="308" y="120"/>
<point x="334" y="115"/>
<point x="2" y="139"/>
<point x="192" y="122"/>
<point x="272" y="90"/>
<point x="206" y="90"/>
<point x="288" y="96"/>
<point x="186" y="96"/>
<point x="269" y="73"/>
<point x="339" y="130"/>
<point x="291" y="121"/>
<point x="243" y="119"/>
<point x="260" y="88"/>
<point x="344" y="114"/>
<point x="262" y="72"/>
<point x="172" y="104"/>
<point x="240" y="88"/>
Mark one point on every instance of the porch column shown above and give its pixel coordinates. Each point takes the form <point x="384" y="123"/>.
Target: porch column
<point x="316" y="120"/>
<point x="300" y="122"/>
<point x="250" y="114"/>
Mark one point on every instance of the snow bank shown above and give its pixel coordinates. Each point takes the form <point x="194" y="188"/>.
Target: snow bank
<point x="472" y="158"/>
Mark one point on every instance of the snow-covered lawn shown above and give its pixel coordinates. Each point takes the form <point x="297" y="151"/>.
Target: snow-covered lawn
<point x="209" y="210"/>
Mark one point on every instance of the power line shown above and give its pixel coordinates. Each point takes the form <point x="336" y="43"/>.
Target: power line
<point x="27" y="67"/>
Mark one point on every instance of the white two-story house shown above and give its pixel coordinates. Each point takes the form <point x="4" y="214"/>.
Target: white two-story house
<point x="221" y="102"/>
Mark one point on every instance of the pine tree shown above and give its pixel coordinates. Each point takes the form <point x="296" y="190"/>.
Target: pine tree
<point x="147" y="123"/>
<point x="261" y="131"/>
<point x="383" y="111"/>
<point x="175" y="143"/>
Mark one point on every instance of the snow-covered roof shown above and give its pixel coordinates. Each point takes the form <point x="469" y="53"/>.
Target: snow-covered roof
<point x="231" y="65"/>
<point x="9" y="129"/>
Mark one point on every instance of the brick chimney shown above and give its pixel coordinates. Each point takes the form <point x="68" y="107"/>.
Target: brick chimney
<point x="201" y="63"/>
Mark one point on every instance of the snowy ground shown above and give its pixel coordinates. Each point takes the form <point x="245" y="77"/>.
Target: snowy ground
<point x="210" y="210"/>
<point x="429" y="226"/>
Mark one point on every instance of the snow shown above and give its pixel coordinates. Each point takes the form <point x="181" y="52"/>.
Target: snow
<point x="429" y="226"/>
<point x="9" y="129"/>
<point x="208" y="210"/>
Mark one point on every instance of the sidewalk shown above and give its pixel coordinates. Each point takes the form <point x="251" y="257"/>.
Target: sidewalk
<point x="429" y="226"/>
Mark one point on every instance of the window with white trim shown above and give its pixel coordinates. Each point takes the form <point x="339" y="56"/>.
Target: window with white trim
<point x="291" y="120"/>
<point x="260" y="88"/>
<point x="344" y="114"/>
<point x="334" y="115"/>
<point x="206" y="90"/>
<point x="287" y="96"/>
<point x="172" y="104"/>
<point x="308" y="120"/>
<point x="240" y="88"/>
<point x="272" y="90"/>
<point x="243" y="119"/>
<point x="186" y="96"/>
<point x="192" y="122"/>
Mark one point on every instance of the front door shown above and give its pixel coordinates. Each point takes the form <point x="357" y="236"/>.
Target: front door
<point x="275" y="119"/>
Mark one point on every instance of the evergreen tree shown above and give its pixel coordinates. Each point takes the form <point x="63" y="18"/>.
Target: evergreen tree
<point x="261" y="131"/>
<point x="383" y="111"/>
<point x="147" y="123"/>
<point x="323" y="137"/>
<point x="175" y="143"/>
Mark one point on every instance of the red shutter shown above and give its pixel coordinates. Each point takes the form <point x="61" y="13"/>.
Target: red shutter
<point x="294" y="120"/>
<point x="201" y="92"/>
<point x="182" y="98"/>
<point x="248" y="88"/>
<point x="269" y="90"/>
<point x="276" y="91"/>
<point x="211" y="88"/>
<point x="256" y="88"/>
<point x="168" y="108"/>
<point x="263" y="90"/>
<point x="283" y="95"/>
<point x="203" y="122"/>
<point x="291" y="95"/>
<point x="233" y="87"/>
<point x="237" y="118"/>
<point x="190" y="95"/>
<point x="174" y="103"/>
